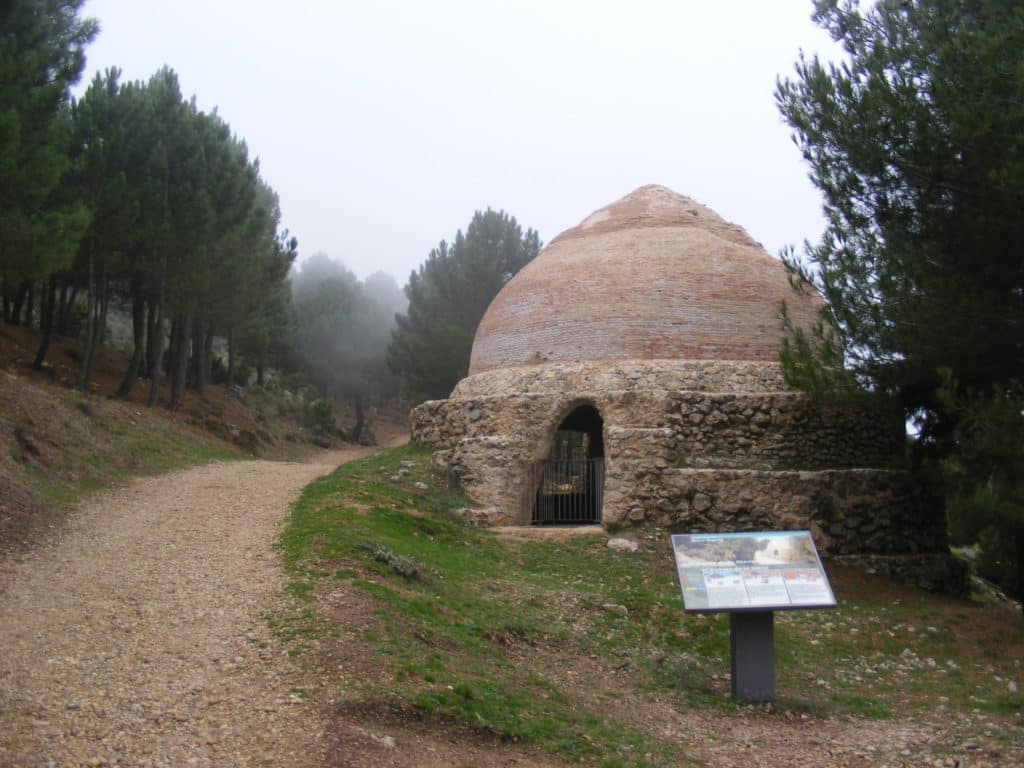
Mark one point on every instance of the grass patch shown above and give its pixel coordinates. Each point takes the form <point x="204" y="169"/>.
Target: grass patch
<point x="549" y="641"/>
<point x="463" y="608"/>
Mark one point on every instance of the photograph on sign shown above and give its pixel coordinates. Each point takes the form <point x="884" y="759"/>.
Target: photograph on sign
<point x="767" y="570"/>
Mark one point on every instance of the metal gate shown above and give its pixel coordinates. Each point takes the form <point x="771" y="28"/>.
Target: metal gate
<point x="567" y="492"/>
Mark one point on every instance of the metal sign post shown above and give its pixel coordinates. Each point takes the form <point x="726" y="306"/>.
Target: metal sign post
<point x="752" y="655"/>
<point x="749" y="576"/>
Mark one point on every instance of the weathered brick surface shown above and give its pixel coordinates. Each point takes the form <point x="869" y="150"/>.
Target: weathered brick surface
<point x="652" y="276"/>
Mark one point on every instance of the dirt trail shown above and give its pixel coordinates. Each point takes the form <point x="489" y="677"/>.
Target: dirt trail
<point x="139" y="636"/>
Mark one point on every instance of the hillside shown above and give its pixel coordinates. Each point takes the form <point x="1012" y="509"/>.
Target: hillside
<point x="57" y="442"/>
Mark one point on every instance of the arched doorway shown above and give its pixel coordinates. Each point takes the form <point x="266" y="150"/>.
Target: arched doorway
<point x="570" y="481"/>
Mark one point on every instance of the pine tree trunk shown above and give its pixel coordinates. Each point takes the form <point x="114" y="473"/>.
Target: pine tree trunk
<point x="156" y="348"/>
<point x="173" y="346"/>
<point x="67" y="303"/>
<point x="190" y="371"/>
<point x="62" y="299"/>
<point x="139" y="326"/>
<point x="147" y="372"/>
<point x="48" y="301"/>
<point x="179" y="373"/>
<point x="90" y="323"/>
<point x="1019" y="591"/>
<point x="155" y="352"/>
<point x="30" y="304"/>
<point x="101" y="328"/>
<point x="357" y="405"/>
<point x="19" y="303"/>
<point x="208" y="354"/>
<point x="198" y="355"/>
<point x="231" y="357"/>
<point x="97" y="327"/>
<point x="5" y="298"/>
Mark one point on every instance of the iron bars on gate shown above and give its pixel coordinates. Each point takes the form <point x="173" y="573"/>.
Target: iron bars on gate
<point x="566" y="492"/>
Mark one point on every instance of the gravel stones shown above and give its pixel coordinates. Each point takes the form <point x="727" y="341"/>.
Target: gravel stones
<point x="139" y="637"/>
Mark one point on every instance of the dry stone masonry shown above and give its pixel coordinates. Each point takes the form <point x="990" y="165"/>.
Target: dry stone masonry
<point x="664" y="318"/>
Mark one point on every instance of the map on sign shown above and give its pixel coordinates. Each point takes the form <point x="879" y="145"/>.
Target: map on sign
<point x="770" y="570"/>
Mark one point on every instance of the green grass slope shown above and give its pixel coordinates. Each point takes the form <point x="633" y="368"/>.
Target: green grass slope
<point x="562" y="642"/>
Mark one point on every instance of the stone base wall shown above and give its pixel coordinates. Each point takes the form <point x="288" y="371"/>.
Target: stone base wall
<point x="848" y="511"/>
<point x="781" y="430"/>
<point x="754" y="431"/>
<point x="693" y="446"/>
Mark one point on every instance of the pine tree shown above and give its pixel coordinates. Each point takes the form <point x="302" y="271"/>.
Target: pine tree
<point x="916" y="141"/>
<point x="448" y="296"/>
<point x="42" y="47"/>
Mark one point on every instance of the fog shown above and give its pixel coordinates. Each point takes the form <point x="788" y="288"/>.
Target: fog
<point x="383" y="126"/>
<point x="343" y="328"/>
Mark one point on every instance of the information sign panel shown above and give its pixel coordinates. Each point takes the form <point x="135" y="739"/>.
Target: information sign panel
<point x="763" y="571"/>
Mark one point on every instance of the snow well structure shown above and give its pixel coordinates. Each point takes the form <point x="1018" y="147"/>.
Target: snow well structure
<point x="630" y="375"/>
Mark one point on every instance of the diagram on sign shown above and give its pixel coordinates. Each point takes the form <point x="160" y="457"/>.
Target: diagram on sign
<point x="750" y="571"/>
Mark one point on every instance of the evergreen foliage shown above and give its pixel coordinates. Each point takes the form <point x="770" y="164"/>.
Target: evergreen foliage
<point x="41" y="56"/>
<point x="448" y="296"/>
<point x="182" y="226"/>
<point x="134" y="196"/>
<point x="916" y="140"/>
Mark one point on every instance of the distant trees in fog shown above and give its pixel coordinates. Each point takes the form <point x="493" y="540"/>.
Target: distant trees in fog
<point x="342" y="326"/>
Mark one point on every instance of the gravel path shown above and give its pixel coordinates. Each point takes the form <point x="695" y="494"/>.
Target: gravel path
<point x="138" y="637"/>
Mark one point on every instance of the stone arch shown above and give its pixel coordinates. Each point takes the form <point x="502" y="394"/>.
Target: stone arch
<point x="571" y="412"/>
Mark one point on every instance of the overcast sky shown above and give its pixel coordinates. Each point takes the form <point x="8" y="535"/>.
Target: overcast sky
<point x="384" y="125"/>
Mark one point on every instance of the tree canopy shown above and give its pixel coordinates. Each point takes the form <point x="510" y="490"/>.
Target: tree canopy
<point x="916" y="140"/>
<point x="42" y="53"/>
<point x="129" y="194"/>
<point x="182" y="226"/>
<point x="448" y="296"/>
<point x="131" y="198"/>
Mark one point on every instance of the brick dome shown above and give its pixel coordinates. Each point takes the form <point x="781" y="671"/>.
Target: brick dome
<point x="651" y="276"/>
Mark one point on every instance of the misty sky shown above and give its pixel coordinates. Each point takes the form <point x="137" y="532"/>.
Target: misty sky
<point x="384" y="125"/>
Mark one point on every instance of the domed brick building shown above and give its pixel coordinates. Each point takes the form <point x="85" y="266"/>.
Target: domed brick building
<point x="630" y="375"/>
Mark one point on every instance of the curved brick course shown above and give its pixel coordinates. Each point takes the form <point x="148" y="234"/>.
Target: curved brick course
<point x="652" y="276"/>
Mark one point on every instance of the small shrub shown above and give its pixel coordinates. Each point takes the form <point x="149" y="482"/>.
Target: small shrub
<point x="985" y="519"/>
<point x="295" y="380"/>
<point x="318" y="415"/>
<point x="403" y="565"/>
